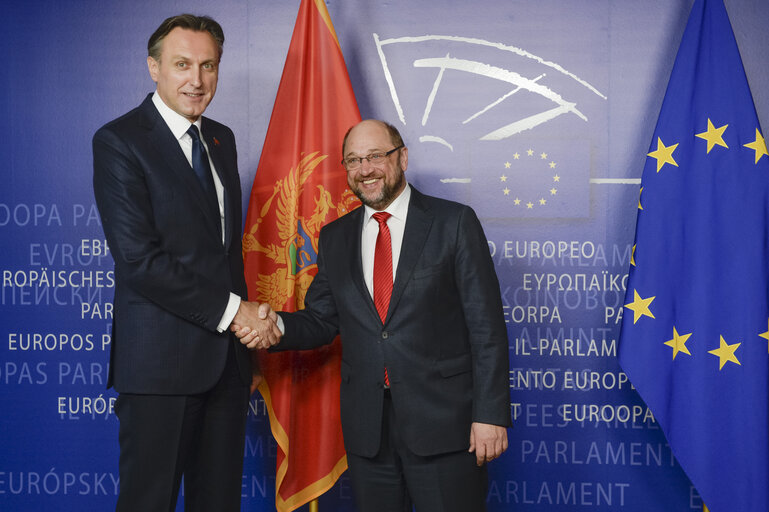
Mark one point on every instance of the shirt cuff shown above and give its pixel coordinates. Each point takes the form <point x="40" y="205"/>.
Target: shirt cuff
<point x="229" y="312"/>
<point x="281" y="325"/>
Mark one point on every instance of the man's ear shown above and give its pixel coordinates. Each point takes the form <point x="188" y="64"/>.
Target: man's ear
<point x="153" y="67"/>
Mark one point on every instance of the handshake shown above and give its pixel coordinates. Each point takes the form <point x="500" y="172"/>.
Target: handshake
<point x="256" y="325"/>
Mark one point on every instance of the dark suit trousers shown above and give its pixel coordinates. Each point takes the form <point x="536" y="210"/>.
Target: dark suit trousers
<point x="396" y="479"/>
<point x="163" y="437"/>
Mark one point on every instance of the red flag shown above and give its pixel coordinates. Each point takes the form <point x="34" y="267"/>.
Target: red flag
<point x="300" y="186"/>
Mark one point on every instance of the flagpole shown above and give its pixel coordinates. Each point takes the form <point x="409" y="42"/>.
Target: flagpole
<point x="704" y="508"/>
<point x="314" y="506"/>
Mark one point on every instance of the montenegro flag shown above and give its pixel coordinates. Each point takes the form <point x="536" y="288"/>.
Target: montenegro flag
<point x="300" y="186"/>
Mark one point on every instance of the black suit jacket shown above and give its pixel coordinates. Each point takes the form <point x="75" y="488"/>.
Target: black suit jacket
<point x="173" y="274"/>
<point x="444" y="340"/>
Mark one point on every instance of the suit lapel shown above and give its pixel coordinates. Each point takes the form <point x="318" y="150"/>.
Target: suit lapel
<point x="418" y="224"/>
<point x="222" y="171"/>
<point x="164" y="142"/>
<point x="356" y="263"/>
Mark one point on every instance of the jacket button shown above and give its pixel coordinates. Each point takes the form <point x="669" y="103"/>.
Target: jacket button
<point x="385" y="335"/>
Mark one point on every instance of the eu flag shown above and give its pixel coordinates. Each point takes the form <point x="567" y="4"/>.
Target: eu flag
<point x="695" y="332"/>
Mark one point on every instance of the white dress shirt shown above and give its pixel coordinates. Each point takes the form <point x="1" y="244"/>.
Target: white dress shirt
<point x="398" y="211"/>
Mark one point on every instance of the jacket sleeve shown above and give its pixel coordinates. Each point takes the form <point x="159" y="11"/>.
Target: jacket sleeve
<point x="318" y="323"/>
<point x="482" y="306"/>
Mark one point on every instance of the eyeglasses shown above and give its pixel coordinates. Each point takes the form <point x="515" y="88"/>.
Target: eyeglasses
<point x="354" y="162"/>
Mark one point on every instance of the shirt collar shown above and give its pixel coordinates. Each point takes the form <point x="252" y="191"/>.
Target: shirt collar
<point x="398" y="208"/>
<point x="177" y="123"/>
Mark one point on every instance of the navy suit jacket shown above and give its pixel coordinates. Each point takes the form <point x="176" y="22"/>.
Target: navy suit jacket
<point x="173" y="274"/>
<point x="444" y="340"/>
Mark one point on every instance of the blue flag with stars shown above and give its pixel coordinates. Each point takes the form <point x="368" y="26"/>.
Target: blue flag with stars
<point x="695" y="331"/>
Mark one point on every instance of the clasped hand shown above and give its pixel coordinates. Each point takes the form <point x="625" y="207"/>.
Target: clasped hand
<point x="256" y="325"/>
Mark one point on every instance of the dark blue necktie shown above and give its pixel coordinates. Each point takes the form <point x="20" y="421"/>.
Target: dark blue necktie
<point x="202" y="168"/>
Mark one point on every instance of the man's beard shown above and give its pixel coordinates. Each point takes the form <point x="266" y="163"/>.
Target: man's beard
<point x="385" y="197"/>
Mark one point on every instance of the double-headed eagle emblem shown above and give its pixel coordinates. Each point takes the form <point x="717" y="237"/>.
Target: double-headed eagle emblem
<point x="286" y="241"/>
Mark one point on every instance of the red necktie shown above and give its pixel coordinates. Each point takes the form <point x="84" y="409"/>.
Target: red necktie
<point x="383" y="271"/>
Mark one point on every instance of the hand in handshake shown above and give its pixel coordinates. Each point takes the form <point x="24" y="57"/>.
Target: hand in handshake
<point x="256" y="325"/>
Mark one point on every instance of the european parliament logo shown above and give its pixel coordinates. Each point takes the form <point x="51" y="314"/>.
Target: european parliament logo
<point x="504" y="126"/>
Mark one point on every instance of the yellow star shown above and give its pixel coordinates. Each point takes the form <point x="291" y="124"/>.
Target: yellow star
<point x="503" y="178"/>
<point x="725" y="353"/>
<point x="516" y="156"/>
<point x="556" y="178"/>
<point x="640" y="307"/>
<point x="507" y="165"/>
<point x="678" y="343"/>
<point x="542" y="201"/>
<point x="714" y="135"/>
<point x="639" y="199"/>
<point x="530" y="205"/>
<point x="663" y="154"/>
<point x="506" y="191"/>
<point x="543" y="156"/>
<point x="517" y="201"/>
<point x="632" y="256"/>
<point x="529" y="152"/>
<point x="552" y="165"/>
<point x="765" y="335"/>
<point x="553" y="191"/>
<point x="758" y="145"/>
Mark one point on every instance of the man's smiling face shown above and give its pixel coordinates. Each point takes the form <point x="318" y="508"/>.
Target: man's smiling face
<point x="187" y="71"/>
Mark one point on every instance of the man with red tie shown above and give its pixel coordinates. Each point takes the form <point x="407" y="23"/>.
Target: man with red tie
<point x="408" y="282"/>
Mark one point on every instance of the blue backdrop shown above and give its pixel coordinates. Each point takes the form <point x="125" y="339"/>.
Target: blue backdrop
<point x="538" y="113"/>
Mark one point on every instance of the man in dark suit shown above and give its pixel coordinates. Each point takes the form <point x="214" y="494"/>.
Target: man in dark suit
<point x="168" y="191"/>
<point x="424" y="393"/>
